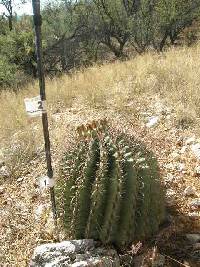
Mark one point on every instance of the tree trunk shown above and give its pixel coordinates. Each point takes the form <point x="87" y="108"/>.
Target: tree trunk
<point x="10" y="22"/>
<point x="162" y="43"/>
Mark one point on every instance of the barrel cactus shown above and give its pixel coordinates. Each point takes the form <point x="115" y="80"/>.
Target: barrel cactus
<point x="109" y="188"/>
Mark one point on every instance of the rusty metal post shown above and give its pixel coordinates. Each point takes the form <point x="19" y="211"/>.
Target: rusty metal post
<point x="38" y="40"/>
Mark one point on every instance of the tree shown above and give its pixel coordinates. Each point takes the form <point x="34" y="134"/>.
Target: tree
<point x="8" y="4"/>
<point x="112" y="25"/>
<point x="175" y="17"/>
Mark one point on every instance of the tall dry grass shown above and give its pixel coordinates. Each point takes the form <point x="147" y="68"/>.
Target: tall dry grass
<point x="173" y="75"/>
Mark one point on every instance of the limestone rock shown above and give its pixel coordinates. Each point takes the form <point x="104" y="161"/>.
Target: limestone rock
<point x="190" y="140"/>
<point x="197" y="170"/>
<point x="196" y="150"/>
<point x="195" y="203"/>
<point x="75" y="253"/>
<point x="4" y="172"/>
<point x="180" y="167"/>
<point x="189" y="191"/>
<point x="152" y="121"/>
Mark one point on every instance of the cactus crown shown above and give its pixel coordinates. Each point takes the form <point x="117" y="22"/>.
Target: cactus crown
<point x="109" y="188"/>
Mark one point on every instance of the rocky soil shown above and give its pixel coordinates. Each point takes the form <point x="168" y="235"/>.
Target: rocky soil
<point x="25" y="209"/>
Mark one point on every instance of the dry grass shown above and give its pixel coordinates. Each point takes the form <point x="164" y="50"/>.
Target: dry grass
<point x="119" y="89"/>
<point x="175" y="75"/>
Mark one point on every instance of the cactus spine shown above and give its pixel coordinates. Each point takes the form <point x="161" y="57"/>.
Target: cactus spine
<point x="110" y="188"/>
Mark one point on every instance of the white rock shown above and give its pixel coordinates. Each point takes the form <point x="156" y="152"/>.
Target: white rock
<point x="180" y="167"/>
<point x="65" y="254"/>
<point x="80" y="264"/>
<point x="190" y="140"/>
<point x="193" y="238"/>
<point x="169" y="178"/>
<point x="197" y="170"/>
<point x="4" y="172"/>
<point x="19" y="180"/>
<point x="196" y="150"/>
<point x="195" y="203"/>
<point x="189" y="191"/>
<point x="152" y="121"/>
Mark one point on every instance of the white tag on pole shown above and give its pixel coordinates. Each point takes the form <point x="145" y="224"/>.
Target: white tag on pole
<point x="35" y="106"/>
<point x="46" y="182"/>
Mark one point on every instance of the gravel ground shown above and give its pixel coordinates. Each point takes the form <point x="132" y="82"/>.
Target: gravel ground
<point x="26" y="219"/>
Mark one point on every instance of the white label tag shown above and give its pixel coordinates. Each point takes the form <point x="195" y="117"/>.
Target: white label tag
<point x="35" y="106"/>
<point x="46" y="182"/>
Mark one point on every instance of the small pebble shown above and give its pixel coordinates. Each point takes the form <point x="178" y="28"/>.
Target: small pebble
<point x="195" y="203"/>
<point x="169" y="177"/>
<point x="196" y="150"/>
<point x="152" y="121"/>
<point x="19" y="180"/>
<point x="189" y="191"/>
<point x="4" y="171"/>
<point x="197" y="170"/>
<point x="181" y="167"/>
<point x="190" y="140"/>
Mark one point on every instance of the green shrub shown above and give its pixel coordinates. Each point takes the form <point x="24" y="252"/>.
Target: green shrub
<point x="109" y="189"/>
<point x="8" y="73"/>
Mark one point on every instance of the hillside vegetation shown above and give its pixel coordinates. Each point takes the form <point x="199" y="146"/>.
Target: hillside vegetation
<point x="77" y="34"/>
<point x="174" y="76"/>
<point x="126" y="93"/>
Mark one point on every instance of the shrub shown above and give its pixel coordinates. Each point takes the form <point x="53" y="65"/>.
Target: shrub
<point x="8" y="73"/>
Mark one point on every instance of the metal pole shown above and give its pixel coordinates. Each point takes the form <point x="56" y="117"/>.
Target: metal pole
<point x="38" y="22"/>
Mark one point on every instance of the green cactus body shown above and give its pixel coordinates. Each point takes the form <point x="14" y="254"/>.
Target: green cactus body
<point x="157" y="199"/>
<point x="84" y="189"/>
<point x="112" y="201"/>
<point x="126" y="226"/>
<point x="68" y="186"/>
<point x="110" y="190"/>
<point x="143" y="205"/>
<point x="99" y="193"/>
